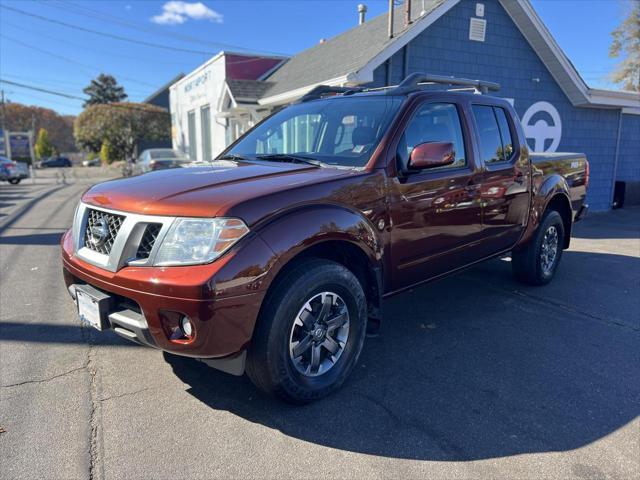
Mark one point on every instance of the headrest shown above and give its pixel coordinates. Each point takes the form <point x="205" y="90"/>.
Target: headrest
<point x="363" y="136"/>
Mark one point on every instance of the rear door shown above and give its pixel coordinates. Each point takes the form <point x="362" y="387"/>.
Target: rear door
<point x="504" y="185"/>
<point x="435" y="213"/>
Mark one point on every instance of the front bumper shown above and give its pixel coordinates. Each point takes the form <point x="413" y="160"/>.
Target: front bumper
<point x="123" y="318"/>
<point x="148" y="301"/>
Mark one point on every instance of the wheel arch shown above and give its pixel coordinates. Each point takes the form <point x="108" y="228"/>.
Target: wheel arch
<point x="552" y="193"/>
<point x="331" y="233"/>
<point x="561" y="204"/>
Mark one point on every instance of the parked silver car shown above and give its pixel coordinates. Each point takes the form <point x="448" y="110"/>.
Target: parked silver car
<point x="13" y="172"/>
<point x="159" y="159"/>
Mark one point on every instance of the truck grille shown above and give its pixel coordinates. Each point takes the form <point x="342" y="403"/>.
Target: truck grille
<point x="148" y="240"/>
<point x="102" y="229"/>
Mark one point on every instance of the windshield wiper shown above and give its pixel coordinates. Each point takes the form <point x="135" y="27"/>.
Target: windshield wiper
<point x="232" y="156"/>
<point x="289" y="157"/>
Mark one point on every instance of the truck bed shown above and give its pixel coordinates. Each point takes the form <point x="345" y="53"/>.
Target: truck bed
<point x="572" y="166"/>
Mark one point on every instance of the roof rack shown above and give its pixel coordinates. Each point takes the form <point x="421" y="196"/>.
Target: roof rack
<point x="326" y="90"/>
<point x="412" y="83"/>
<point x="415" y="80"/>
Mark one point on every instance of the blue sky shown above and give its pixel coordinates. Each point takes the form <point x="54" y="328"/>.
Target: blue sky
<point x="53" y="56"/>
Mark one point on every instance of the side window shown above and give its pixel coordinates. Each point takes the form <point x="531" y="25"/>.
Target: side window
<point x="434" y="122"/>
<point x="505" y="133"/>
<point x="496" y="144"/>
<point x="490" y="141"/>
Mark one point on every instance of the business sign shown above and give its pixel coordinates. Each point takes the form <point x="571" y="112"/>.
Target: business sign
<point x="20" y="144"/>
<point x="3" y="144"/>
<point x="547" y="126"/>
<point x="196" y="82"/>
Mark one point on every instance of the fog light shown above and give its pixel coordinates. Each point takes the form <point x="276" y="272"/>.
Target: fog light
<point x="186" y="326"/>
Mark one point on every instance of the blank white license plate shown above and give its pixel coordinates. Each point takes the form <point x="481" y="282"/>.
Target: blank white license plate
<point x="88" y="309"/>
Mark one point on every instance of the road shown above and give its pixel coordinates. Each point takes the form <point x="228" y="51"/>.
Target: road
<point x="473" y="376"/>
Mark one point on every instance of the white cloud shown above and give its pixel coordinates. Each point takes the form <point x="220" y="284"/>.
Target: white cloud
<point x="178" y="12"/>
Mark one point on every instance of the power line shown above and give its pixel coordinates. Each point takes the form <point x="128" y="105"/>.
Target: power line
<point x="131" y="40"/>
<point x="31" y="82"/>
<point x="84" y="47"/>
<point x="105" y="17"/>
<point x="65" y="95"/>
<point x="64" y="84"/>
<point x="44" y="90"/>
<point x="105" y="34"/>
<point x="69" y="60"/>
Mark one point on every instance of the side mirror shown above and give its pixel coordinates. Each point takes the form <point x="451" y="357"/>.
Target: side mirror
<point x="432" y="154"/>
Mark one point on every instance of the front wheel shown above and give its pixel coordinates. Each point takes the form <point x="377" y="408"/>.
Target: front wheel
<point x="310" y="334"/>
<point x="536" y="264"/>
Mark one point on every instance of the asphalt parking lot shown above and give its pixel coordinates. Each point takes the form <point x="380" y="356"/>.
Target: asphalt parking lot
<point x="473" y="376"/>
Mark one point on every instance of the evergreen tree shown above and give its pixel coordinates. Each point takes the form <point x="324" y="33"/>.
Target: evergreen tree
<point x="104" y="89"/>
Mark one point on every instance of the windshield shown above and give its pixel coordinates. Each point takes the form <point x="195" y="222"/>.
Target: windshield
<point x="341" y="132"/>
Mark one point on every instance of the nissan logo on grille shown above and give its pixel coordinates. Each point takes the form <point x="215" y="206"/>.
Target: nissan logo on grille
<point x="99" y="232"/>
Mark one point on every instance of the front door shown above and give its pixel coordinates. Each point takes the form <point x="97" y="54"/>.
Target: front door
<point x="435" y="213"/>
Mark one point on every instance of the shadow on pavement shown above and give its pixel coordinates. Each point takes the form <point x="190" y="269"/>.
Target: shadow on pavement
<point x="27" y="206"/>
<point x="622" y="223"/>
<point x="34" y="239"/>
<point x="61" y="334"/>
<point x="464" y="370"/>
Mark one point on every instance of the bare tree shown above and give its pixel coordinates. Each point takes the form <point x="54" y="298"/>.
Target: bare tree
<point x="626" y="45"/>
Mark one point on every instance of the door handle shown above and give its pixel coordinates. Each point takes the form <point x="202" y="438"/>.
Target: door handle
<point x="519" y="178"/>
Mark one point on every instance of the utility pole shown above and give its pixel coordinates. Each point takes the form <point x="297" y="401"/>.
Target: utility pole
<point x="3" y="131"/>
<point x="2" y="112"/>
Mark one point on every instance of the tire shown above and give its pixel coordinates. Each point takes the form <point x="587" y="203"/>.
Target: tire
<point x="14" y="181"/>
<point x="286" y="327"/>
<point x="535" y="264"/>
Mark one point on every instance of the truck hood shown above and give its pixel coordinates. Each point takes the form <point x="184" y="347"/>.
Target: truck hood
<point x="204" y="191"/>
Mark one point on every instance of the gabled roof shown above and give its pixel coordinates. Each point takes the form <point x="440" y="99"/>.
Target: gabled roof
<point x="559" y="65"/>
<point x="247" y="91"/>
<point x="341" y="56"/>
<point x="160" y="90"/>
<point x="351" y="57"/>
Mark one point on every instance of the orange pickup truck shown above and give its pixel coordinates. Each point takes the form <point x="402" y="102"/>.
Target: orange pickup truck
<point x="274" y="260"/>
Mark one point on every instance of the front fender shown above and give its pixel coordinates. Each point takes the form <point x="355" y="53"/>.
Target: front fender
<point x="545" y="189"/>
<point x="293" y="232"/>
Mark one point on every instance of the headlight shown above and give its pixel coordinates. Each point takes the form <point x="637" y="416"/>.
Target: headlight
<point x="193" y="241"/>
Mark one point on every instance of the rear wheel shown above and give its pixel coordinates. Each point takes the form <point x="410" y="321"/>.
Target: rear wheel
<point x="14" y="181"/>
<point x="536" y="264"/>
<point x="310" y="334"/>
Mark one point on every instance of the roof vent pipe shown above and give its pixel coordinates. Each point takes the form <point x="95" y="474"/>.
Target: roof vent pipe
<point x="362" y="10"/>
<point x="407" y="13"/>
<point x="390" y="18"/>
